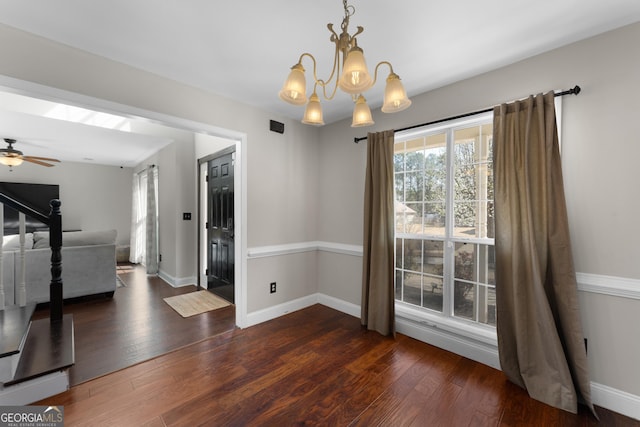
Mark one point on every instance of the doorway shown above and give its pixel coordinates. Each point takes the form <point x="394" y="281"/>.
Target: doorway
<point x="220" y="224"/>
<point x="239" y="139"/>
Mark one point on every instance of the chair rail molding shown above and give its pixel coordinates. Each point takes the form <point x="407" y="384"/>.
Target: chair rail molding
<point x="609" y="285"/>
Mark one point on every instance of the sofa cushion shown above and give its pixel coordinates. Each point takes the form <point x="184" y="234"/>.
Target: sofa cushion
<point x="76" y="238"/>
<point x="12" y="241"/>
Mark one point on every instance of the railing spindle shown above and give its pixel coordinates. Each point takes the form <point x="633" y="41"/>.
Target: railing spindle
<point x="22" y="284"/>
<point x="2" y="301"/>
<point x="55" y="238"/>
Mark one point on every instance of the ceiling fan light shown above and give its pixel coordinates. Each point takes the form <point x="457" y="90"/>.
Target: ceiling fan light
<point x="361" y="114"/>
<point x="313" y="112"/>
<point x="355" y="77"/>
<point x="294" y="89"/>
<point x="11" y="160"/>
<point x="395" y="97"/>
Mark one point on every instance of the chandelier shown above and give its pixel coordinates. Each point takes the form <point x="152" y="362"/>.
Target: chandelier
<point x="351" y="75"/>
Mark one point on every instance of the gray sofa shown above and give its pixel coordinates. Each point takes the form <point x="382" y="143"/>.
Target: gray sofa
<point x="88" y="265"/>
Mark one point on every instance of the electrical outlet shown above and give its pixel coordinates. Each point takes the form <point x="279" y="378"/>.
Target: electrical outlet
<point x="160" y="258"/>
<point x="272" y="287"/>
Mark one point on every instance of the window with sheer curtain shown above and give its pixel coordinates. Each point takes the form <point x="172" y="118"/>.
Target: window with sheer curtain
<point x="144" y="219"/>
<point x="445" y="262"/>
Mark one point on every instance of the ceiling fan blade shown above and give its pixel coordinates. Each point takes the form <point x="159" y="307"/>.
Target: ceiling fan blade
<point x="48" y="159"/>
<point x="38" y="162"/>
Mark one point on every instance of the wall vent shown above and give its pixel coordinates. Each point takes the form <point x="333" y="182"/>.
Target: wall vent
<point x="276" y="126"/>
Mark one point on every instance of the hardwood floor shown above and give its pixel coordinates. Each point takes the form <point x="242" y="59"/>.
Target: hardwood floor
<point x="315" y="366"/>
<point x="135" y="325"/>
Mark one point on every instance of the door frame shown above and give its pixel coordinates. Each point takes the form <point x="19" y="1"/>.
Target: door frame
<point x="203" y="214"/>
<point x="36" y="90"/>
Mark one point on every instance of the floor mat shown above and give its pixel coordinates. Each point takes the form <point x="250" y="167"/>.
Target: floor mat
<point x="193" y="303"/>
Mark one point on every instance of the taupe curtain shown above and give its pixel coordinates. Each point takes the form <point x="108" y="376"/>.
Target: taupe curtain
<point x="378" y="311"/>
<point x="540" y="338"/>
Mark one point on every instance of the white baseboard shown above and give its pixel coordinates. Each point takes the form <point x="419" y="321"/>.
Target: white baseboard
<point x="615" y="400"/>
<point x="276" y="311"/>
<point x="31" y="391"/>
<point x="340" y="305"/>
<point x="177" y="282"/>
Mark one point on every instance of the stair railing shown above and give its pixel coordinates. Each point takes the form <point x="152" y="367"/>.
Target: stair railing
<point x="54" y="221"/>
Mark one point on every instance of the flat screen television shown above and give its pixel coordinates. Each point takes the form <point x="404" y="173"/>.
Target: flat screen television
<point x="36" y="196"/>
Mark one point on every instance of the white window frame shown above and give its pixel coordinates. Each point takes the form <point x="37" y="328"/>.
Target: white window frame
<point x="474" y="340"/>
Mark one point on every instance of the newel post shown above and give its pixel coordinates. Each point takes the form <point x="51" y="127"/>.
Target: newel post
<point x="55" y="239"/>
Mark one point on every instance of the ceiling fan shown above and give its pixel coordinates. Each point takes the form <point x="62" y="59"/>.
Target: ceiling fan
<point x="11" y="157"/>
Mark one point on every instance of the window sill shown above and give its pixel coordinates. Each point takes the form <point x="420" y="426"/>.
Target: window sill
<point x="484" y="335"/>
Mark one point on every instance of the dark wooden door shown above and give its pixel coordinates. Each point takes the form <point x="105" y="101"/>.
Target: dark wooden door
<point x="220" y="226"/>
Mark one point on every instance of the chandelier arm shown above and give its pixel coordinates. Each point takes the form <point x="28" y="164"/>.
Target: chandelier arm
<point x="334" y="73"/>
<point x="375" y="74"/>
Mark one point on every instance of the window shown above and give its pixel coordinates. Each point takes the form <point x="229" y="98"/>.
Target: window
<point x="444" y="221"/>
<point x="140" y="210"/>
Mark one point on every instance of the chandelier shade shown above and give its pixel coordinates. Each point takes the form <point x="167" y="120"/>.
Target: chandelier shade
<point x="294" y="90"/>
<point x="313" y="112"/>
<point x="361" y="113"/>
<point x="395" y="97"/>
<point x="349" y="73"/>
<point x="355" y="77"/>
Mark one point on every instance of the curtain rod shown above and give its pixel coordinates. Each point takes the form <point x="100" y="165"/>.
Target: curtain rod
<point x="573" y="91"/>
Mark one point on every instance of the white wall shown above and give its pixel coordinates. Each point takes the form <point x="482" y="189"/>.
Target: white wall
<point x="600" y="151"/>
<point x="93" y="197"/>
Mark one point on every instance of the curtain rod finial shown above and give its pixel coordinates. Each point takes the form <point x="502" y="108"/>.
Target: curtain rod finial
<point x="576" y="90"/>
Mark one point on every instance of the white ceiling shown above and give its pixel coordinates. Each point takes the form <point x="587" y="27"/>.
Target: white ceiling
<point x="243" y="50"/>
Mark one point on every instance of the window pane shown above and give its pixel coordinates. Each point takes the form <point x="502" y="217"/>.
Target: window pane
<point x="411" y="286"/>
<point x="432" y="293"/>
<point x="412" y="255"/>
<point x="487" y="313"/>
<point x="434" y="257"/>
<point x="413" y="217"/>
<point x="434" y="185"/>
<point x="490" y="193"/>
<point x="405" y="217"/>
<point x="486" y="264"/>
<point x="399" y="253"/>
<point x="465" y="183"/>
<point x="434" y="219"/>
<point x="399" y="187"/>
<point x="414" y="160"/>
<point x="398" y="285"/>
<point x="464" y="296"/>
<point x="398" y="158"/>
<point x="413" y="185"/>
<point x="464" y="219"/>
<point x="465" y="261"/>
